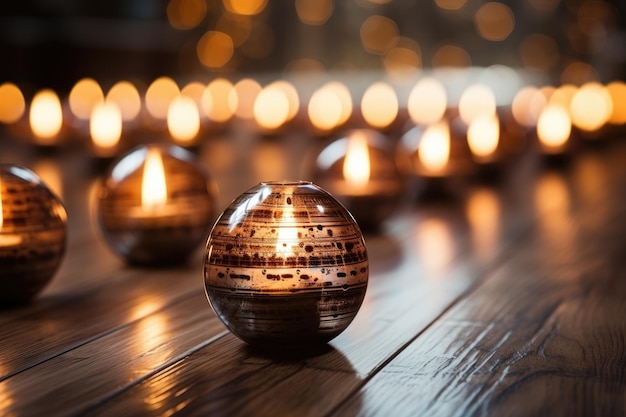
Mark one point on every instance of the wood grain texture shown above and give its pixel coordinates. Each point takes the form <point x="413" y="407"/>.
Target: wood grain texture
<point x="545" y="334"/>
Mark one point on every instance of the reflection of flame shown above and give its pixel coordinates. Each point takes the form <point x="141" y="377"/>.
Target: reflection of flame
<point x="356" y="166"/>
<point x="483" y="134"/>
<point x="46" y="116"/>
<point x="554" y="126"/>
<point x="287" y="232"/>
<point x="153" y="187"/>
<point x="434" y="149"/>
<point x="106" y="125"/>
<point x="483" y="212"/>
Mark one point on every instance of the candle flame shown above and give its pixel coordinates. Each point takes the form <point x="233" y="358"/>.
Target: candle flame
<point x="46" y="116"/>
<point x="153" y="186"/>
<point x="434" y="150"/>
<point x="183" y="120"/>
<point x="271" y="108"/>
<point x="554" y="126"/>
<point x="356" y="166"/>
<point x="483" y="134"/>
<point x="105" y="125"/>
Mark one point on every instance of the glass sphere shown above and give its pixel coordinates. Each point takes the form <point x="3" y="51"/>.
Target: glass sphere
<point x="155" y="205"/>
<point x="286" y="265"/>
<point x="360" y="170"/>
<point x="33" y="225"/>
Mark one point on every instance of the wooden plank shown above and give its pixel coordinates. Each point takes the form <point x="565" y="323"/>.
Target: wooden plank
<point x="546" y="333"/>
<point x="227" y="378"/>
<point x="87" y="374"/>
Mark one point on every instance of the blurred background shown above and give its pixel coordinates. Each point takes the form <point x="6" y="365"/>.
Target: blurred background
<point x="54" y="43"/>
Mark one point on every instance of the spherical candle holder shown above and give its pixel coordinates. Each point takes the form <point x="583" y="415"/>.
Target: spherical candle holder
<point x="360" y="169"/>
<point x="155" y="205"/>
<point x="32" y="234"/>
<point x="286" y="266"/>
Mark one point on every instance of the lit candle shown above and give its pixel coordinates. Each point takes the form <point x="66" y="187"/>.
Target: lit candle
<point x="361" y="172"/>
<point x="46" y="117"/>
<point x="105" y="127"/>
<point x="155" y="205"/>
<point x="554" y="129"/>
<point x="271" y="109"/>
<point x="32" y="234"/>
<point x="379" y="105"/>
<point x="483" y="137"/>
<point x="590" y="109"/>
<point x="434" y="151"/>
<point x="183" y="121"/>
<point x="288" y="255"/>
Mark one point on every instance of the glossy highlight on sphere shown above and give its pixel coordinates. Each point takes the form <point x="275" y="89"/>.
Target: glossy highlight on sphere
<point x="286" y="265"/>
<point x="32" y="235"/>
<point x="148" y="231"/>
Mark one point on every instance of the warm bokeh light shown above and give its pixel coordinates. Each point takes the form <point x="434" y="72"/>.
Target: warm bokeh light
<point x="325" y="109"/>
<point x="183" y="120"/>
<point x="186" y="14"/>
<point x="46" y="116"/>
<point x="271" y="108"/>
<point x="237" y="26"/>
<point x="159" y="95"/>
<point x="483" y="135"/>
<point x="494" y="21"/>
<point x="591" y="107"/>
<point x="617" y="90"/>
<point x="246" y="91"/>
<point x="434" y="149"/>
<point x="50" y="173"/>
<point x="378" y="34"/>
<point x="84" y="96"/>
<point x="194" y="91"/>
<point x="218" y="102"/>
<point x="379" y="105"/>
<point x="451" y="56"/>
<point x="563" y="95"/>
<point x="153" y="185"/>
<point x="308" y="65"/>
<point x="404" y="59"/>
<point x="125" y="95"/>
<point x="450" y="4"/>
<point x="578" y="73"/>
<point x="330" y="106"/>
<point x="356" y="165"/>
<point x="314" y="12"/>
<point x="215" y="49"/>
<point x="544" y="5"/>
<point x="245" y="7"/>
<point x="435" y="241"/>
<point x="539" y="51"/>
<point x="427" y="101"/>
<point x="554" y="127"/>
<point x="292" y="96"/>
<point x="12" y="103"/>
<point x="476" y="100"/>
<point x="527" y="106"/>
<point x="105" y="125"/>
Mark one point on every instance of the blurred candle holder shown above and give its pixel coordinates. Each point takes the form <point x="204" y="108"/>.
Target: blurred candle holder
<point x="32" y="234"/>
<point x="286" y="266"/>
<point x="436" y="155"/>
<point x="155" y="205"/>
<point x="360" y="170"/>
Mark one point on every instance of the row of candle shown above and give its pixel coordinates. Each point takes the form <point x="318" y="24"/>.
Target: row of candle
<point x="185" y="112"/>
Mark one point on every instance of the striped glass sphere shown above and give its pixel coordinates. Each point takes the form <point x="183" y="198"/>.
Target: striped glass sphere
<point x="33" y="227"/>
<point x="286" y="265"/>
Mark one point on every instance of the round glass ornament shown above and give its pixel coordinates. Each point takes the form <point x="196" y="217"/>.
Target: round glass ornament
<point x="33" y="229"/>
<point x="155" y="204"/>
<point x="286" y="265"/>
<point x="360" y="170"/>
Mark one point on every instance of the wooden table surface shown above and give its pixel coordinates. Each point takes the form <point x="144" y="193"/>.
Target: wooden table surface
<point x="505" y="299"/>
